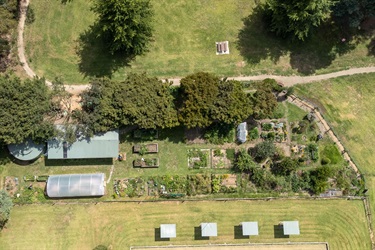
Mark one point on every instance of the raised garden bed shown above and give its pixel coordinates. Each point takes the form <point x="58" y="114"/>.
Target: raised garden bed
<point x="151" y="148"/>
<point x="42" y="178"/>
<point x="146" y="163"/>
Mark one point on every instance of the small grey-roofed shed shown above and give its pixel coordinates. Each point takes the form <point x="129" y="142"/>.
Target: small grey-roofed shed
<point x="167" y="231"/>
<point x="26" y="151"/>
<point x="75" y="185"/>
<point x="291" y="227"/>
<point x="242" y="132"/>
<point x="99" y="146"/>
<point x="208" y="229"/>
<point x="250" y="228"/>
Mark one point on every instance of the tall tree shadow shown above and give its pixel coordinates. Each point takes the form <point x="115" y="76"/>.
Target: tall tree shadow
<point x="95" y="58"/>
<point x="256" y="43"/>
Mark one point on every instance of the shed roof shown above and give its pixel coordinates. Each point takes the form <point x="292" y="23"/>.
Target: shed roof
<point x="208" y="229"/>
<point x="250" y="228"/>
<point x="75" y="185"/>
<point x="168" y="231"/>
<point x="242" y="132"/>
<point x="99" y="146"/>
<point x="291" y="227"/>
<point x="26" y="151"/>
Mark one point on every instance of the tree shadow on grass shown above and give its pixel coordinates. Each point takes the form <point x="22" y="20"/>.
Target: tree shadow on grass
<point x="198" y="234"/>
<point x="371" y="47"/>
<point x="238" y="233"/>
<point x="158" y="235"/>
<point x="278" y="232"/>
<point x="95" y="57"/>
<point x="256" y="43"/>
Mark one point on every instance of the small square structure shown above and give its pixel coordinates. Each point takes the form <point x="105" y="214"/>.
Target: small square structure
<point x="167" y="231"/>
<point x="250" y="228"/>
<point x="208" y="229"/>
<point x="222" y="48"/>
<point x="291" y="227"/>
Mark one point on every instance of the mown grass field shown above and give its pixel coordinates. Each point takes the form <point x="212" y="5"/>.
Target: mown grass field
<point x="348" y="105"/>
<point x="341" y="223"/>
<point x="60" y="43"/>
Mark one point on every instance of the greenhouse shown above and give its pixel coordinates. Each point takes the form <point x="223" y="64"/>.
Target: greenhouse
<point x="76" y="185"/>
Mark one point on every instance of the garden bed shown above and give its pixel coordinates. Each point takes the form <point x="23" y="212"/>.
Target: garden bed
<point x="219" y="159"/>
<point x="146" y="163"/>
<point x="151" y="148"/>
<point x="198" y="158"/>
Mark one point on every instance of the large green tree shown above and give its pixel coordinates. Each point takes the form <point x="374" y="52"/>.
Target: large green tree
<point x="125" y="24"/>
<point x="297" y="17"/>
<point x="138" y="100"/>
<point x="353" y="12"/>
<point x="23" y="110"/>
<point x="6" y="205"/>
<point x="205" y="99"/>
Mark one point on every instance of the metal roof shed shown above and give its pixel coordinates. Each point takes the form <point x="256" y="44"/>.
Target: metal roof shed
<point x="208" y="229"/>
<point x="242" y="132"/>
<point x="26" y="151"/>
<point x="250" y="228"/>
<point x="99" y="146"/>
<point x="291" y="227"/>
<point x="167" y="231"/>
<point x="75" y="185"/>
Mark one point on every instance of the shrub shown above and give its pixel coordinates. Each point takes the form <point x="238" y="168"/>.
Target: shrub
<point x="244" y="162"/>
<point x="325" y="161"/>
<point x="313" y="151"/>
<point x="264" y="149"/>
<point x="266" y="126"/>
<point x="254" y="134"/>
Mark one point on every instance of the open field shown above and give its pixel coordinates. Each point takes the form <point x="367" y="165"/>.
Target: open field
<point x="341" y="223"/>
<point x="61" y="43"/>
<point x="295" y="246"/>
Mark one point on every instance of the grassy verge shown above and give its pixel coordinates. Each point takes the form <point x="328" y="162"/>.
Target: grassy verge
<point x="339" y="222"/>
<point x="60" y="43"/>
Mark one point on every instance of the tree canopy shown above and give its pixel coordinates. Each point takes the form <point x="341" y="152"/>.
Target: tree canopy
<point x="205" y="99"/>
<point x="264" y="149"/>
<point x="125" y="24"/>
<point x="264" y="101"/>
<point x="297" y="17"/>
<point x="353" y="12"/>
<point x="138" y="100"/>
<point x="6" y="205"/>
<point x="23" y="110"/>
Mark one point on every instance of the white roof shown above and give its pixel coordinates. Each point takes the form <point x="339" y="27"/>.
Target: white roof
<point x="168" y="231"/>
<point x="291" y="227"/>
<point x="208" y="229"/>
<point x="250" y="228"/>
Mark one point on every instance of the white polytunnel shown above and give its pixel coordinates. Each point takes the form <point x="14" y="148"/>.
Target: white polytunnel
<point x="76" y="185"/>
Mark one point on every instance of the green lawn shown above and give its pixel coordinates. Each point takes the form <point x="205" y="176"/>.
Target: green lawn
<point x="60" y="43"/>
<point x="348" y="105"/>
<point x="341" y="223"/>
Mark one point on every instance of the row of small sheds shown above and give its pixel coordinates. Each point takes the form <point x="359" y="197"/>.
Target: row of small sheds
<point x="249" y="228"/>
